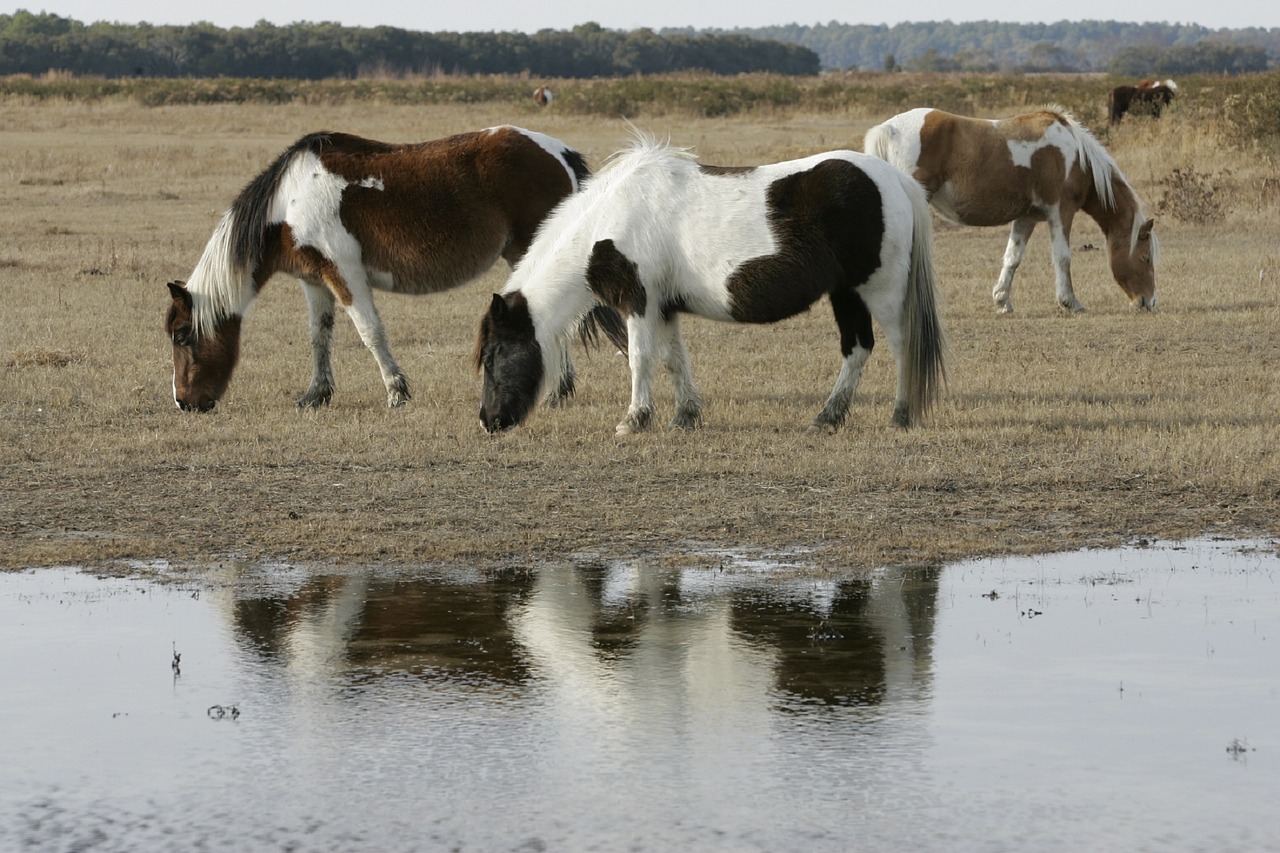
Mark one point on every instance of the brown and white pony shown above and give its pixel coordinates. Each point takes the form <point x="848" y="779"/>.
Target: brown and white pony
<point x="542" y="96"/>
<point x="1148" y="97"/>
<point x="347" y="215"/>
<point x="1039" y="167"/>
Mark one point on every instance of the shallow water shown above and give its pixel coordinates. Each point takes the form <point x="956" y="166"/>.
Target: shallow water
<point x="1091" y="700"/>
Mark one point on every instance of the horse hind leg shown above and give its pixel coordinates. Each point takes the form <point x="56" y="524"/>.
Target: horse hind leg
<point x="676" y="358"/>
<point x="856" y="342"/>
<point x="320" y="304"/>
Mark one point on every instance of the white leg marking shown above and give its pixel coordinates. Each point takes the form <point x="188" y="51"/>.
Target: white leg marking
<point x="1062" y="264"/>
<point x="1019" y="234"/>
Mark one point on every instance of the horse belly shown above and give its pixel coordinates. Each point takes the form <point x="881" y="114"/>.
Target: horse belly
<point x="979" y="207"/>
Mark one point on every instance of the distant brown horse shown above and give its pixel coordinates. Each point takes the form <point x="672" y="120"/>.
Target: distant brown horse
<point x="1149" y="97"/>
<point x="1039" y="167"/>
<point x="542" y="96"/>
<point x="347" y="215"/>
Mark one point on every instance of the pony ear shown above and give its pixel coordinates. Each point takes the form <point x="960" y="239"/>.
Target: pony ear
<point x="179" y="293"/>
<point x="498" y="308"/>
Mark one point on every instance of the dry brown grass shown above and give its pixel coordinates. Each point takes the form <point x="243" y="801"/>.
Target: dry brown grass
<point x="1056" y="431"/>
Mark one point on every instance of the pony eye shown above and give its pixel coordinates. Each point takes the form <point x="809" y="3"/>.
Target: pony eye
<point x="182" y="336"/>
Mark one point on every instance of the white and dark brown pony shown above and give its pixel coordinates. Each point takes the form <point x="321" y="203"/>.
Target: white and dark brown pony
<point x="656" y="235"/>
<point x="348" y="215"/>
<point x="1039" y="167"/>
<point x="1149" y="97"/>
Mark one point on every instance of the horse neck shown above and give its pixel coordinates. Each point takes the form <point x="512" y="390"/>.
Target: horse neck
<point x="1116" y="220"/>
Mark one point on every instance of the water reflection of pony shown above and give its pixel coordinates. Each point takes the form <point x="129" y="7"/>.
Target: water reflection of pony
<point x="346" y="214"/>
<point x="1148" y="97"/>
<point x="655" y="234"/>
<point x="1039" y="167"/>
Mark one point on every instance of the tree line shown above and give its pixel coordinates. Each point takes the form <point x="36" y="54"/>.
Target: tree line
<point x="1125" y="49"/>
<point x="37" y="43"/>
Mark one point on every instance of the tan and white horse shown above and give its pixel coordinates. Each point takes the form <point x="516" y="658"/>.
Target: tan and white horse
<point x="347" y="215"/>
<point x="1039" y="167"/>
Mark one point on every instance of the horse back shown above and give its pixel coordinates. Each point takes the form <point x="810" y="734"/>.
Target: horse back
<point x="980" y="172"/>
<point x="435" y="214"/>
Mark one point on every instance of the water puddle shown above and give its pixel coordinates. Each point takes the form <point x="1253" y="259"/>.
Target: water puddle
<point x="1101" y="699"/>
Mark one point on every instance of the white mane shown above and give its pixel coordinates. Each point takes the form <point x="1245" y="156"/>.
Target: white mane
<point x="1098" y="161"/>
<point x="217" y="289"/>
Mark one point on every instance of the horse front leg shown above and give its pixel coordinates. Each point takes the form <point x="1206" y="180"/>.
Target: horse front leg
<point x="320" y="303"/>
<point x="640" y="355"/>
<point x="676" y="358"/>
<point x="363" y="313"/>
<point x="1060" y="232"/>
<point x="1019" y="234"/>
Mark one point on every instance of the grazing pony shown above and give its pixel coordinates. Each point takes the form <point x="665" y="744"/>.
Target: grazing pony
<point x="542" y="96"/>
<point x="1149" y="96"/>
<point x="346" y="214"/>
<point x="655" y="235"/>
<point x="1039" y="167"/>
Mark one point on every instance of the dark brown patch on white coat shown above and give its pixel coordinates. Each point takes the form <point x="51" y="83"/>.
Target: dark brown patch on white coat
<point x="748" y="245"/>
<point x="346" y="214"/>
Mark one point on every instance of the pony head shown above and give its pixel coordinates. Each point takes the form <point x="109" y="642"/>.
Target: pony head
<point x="202" y="361"/>
<point x="508" y="354"/>
<point x="1133" y="263"/>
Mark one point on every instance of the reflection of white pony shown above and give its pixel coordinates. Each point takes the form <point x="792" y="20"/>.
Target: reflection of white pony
<point x="655" y="235"/>
<point x="691" y="656"/>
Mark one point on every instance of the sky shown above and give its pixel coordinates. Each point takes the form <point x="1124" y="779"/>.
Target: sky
<point x="529" y="16"/>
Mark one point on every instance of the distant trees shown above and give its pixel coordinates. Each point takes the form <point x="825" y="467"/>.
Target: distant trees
<point x="1061" y="46"/>
<point x="1203" y="58"/>
<point x="36" y="43"/>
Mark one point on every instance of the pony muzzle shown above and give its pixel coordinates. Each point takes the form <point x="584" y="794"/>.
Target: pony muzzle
<point x="199" y="406"/>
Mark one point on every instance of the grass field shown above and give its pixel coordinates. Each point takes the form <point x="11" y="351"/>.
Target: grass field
<point x="1055" y="431"/>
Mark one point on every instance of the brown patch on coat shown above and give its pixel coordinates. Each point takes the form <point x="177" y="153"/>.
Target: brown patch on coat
<point x="985" y="186"/>
<point x="615" y="279"/>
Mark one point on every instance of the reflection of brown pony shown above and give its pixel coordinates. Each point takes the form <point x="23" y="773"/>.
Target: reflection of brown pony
<point x="1039" y="167"/>
<point x="1149" y="97"/>
<point x="347" y="215"/>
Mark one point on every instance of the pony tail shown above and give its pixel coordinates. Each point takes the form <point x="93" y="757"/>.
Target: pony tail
<point x="925" y="343"/>
<point x="878" y="142"/>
